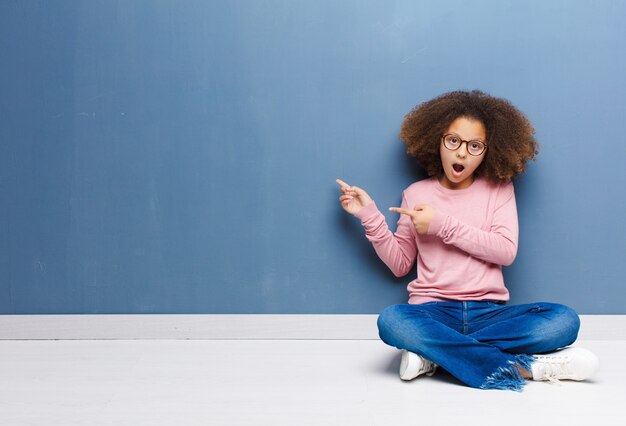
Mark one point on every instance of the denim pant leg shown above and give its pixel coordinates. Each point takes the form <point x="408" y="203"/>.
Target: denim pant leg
<point x="530" y="328"/>
<point x="423" y="329"/>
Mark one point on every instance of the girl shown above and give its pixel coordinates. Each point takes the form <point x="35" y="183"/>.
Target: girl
<point x="461" y="225"/>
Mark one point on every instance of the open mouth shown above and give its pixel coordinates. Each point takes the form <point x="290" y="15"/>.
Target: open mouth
<point x="458" y="167"/>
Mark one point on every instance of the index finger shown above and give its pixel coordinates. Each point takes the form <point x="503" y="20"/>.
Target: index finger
<point x="342" y="183"/>
<point x="402" y="211"/>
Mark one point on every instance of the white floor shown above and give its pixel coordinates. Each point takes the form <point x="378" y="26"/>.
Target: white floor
<point x="276" y="382"/>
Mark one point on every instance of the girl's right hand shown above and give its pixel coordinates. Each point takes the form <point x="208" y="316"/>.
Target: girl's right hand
<point x="353" y="198"/>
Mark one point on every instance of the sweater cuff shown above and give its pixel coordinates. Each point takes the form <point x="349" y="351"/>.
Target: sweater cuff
<point x="367" y="211"/>
<point x="436" y="223"/>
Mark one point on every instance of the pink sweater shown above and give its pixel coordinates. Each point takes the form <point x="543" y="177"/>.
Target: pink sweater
<point x="472" y="234"/>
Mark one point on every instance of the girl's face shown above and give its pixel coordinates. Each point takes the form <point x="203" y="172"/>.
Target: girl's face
<point x="459" y="165"/>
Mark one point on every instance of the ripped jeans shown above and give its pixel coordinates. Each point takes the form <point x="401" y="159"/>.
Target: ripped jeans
<point x="480" y="343"/>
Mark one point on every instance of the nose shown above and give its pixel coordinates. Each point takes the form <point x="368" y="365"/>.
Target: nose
<point x="461" y="152"/>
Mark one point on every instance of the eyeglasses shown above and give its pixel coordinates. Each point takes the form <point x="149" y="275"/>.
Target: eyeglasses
<point x="454" y="142"/>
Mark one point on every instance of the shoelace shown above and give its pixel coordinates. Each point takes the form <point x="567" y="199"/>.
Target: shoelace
<point x="552" y="367"/>
<point x="428" y="367"/>
<point x="552" y="379"/>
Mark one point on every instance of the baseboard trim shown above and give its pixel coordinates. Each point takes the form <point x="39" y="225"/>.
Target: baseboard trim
<point x="229" y="327"/>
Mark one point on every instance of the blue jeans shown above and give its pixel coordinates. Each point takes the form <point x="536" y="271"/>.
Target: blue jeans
<point x="480" y="343"/>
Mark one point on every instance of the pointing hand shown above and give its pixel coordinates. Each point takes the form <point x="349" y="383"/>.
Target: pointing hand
<point x="353" y="198"/>
<point x="421" y="216"/>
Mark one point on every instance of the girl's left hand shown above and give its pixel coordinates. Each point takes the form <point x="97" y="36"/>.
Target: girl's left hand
<point x="421" y="216"/>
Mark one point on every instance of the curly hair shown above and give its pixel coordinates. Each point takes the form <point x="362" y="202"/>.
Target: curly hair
<point x="510" y="135"/>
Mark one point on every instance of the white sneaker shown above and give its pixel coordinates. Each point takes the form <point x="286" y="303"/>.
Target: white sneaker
<point x="566" y="364"/>
<point x="413" y="365"/>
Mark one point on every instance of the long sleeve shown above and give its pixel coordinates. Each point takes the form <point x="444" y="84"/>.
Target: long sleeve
<point x="496" y="245"/>
<point x="398" y="251"/>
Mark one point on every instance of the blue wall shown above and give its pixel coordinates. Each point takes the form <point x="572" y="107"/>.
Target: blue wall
<point x="180" y="157"/>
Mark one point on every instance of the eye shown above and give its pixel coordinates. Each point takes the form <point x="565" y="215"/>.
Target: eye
<point x="476" y="147"/>
<point x="453" y="140"/>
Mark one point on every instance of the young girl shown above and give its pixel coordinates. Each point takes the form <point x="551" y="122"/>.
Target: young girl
<point x="461" y="225"/>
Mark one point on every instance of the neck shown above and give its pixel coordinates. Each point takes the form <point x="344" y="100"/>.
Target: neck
<point x="446" y="183"/>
